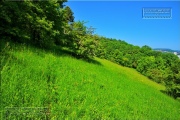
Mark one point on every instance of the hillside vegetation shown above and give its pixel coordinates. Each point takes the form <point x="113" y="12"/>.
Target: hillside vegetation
<point x="73" y="88"/>
<point x="48" y="24"/>
<point x="53" y="67"/>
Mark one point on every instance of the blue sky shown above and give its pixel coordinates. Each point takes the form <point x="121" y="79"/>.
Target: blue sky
<point x="123" y="20"/>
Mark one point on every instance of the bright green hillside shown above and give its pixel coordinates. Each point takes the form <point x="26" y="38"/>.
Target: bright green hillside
<point x="73" y="88"/>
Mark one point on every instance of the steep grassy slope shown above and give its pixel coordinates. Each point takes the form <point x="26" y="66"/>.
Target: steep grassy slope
<point x="72" y="88"/>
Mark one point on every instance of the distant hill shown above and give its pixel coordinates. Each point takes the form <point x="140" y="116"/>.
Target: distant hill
<point x="166" y="49"/>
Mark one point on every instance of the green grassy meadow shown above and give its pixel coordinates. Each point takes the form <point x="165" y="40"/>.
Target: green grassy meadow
<point x="76" y="89"/>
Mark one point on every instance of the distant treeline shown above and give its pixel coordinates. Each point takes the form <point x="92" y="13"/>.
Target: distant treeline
<point x="160" y="67"/>
<point x="48" y="24"/>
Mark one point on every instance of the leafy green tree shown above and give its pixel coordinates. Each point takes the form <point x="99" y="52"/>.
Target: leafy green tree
<point x="33" y="22"/>
<point x="83" y="44"/>
<point x="145" y="50"/>
<point x="118" y="56"/>
<point x="65" y="27"/>
<point x="146" y="63"/>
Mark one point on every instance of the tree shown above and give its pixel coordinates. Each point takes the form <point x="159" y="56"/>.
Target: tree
<point x="146" y="63"/>
<point x="32" y="22"/>
<point x="83" y="44"/>
<point x="65" y="27"/>
<point x="145" y="49"/>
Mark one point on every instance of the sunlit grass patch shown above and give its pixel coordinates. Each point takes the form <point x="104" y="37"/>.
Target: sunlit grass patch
<point x="72" y="88"/>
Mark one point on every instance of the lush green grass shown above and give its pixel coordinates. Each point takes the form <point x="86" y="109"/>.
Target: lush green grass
<point x="72" y="88"/>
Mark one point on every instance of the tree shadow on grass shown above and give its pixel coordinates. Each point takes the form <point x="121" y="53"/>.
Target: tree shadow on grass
<point x="63" y="52"/>
<point x="55" y="50"/>
<point x="175" y="96"/>
<point x="60" y="51"/>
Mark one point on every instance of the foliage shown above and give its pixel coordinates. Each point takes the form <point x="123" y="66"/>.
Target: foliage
<point x="27" y="22"/>
<point x="160" y="67"/>
<point x="46" y="24"/>
<point x="83" y="43"/>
